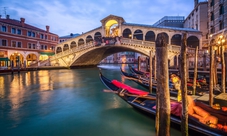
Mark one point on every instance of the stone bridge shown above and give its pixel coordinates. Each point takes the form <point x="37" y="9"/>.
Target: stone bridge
<point x="115" y="35"/>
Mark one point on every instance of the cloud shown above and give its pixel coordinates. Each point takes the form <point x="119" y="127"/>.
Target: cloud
<point x="76" y="16"/>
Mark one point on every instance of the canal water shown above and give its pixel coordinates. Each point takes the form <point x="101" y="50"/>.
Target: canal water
<point x="68" y="102"/>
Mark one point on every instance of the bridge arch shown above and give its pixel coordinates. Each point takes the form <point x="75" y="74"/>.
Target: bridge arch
<point x="127" y="33"/>
<point x="150" y="36"/>
<point x="166" y="37"/>
<point x="89" y="39"/>
<point x="58" y="49"/>
<point x="138" y="34"/>
<point x="97" y="36"/>
<point x="65" y="47"/>
<point x="73" y="44"/>
<point x="111" y="28"/>
<point x="81" y="42"/>
<point x="193" y="41"/>
<point x="176" y="39"/>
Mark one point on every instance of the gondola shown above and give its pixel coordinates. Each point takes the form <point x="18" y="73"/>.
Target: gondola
<point x="133" y="70"/>
<point x="200" y="81"/>
<point x="144" y="82"/>
<point x="146" y="102"/>
<point x="142" y="79"/>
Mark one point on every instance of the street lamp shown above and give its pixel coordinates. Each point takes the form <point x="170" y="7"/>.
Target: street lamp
<point x="221" y="41"/>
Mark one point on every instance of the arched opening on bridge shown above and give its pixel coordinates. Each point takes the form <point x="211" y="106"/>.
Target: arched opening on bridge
<point x="166" y="37"/>
<point x="73" y="44"/>
<point x="193" y="42"/>
<point x="81" y="42"/>
<point x="89" y="39"/>
<point x="31" y="59"/>
<point x="58" y="50"/>
<point x="97" y="36"/>
<point x="138" y="34"/>
<point x="65" y="47"/>
<point x="176" y="39"/>
<point x="150" y="36"/>
<point x="111" y="28"/>
<point x="127" y="33"/>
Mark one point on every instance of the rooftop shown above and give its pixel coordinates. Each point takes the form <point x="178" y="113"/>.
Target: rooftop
<point x="18" y="23"/>
<point x="165" y="27"/>
<point x="70" y="36"/>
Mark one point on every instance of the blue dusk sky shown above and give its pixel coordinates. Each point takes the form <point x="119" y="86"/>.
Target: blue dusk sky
<point x="77" y="16"/>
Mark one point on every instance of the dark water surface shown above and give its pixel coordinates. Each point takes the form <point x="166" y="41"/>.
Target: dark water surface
<point x="68" y="102"/>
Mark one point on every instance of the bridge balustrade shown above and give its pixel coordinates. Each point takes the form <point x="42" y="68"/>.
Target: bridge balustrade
<point x="73" y="50"/>
<point x="127" y="41"/>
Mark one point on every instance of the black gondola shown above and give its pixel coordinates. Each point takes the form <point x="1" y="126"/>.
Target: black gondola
<point x="146" y="102"/>
<point x="133" y="70"/>
<point x="143" y="79"/>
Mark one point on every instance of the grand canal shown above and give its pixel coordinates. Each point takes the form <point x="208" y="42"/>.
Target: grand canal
<point x="68" y="102"/>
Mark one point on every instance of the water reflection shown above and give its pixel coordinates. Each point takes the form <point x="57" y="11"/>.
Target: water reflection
<point x="67" y="102"/>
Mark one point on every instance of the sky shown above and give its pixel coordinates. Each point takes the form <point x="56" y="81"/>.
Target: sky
<point x="77" y="16"/>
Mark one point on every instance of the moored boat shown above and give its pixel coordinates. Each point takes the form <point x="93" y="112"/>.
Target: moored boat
<point x="143" y="80"/>
<point x="213" y="124"/>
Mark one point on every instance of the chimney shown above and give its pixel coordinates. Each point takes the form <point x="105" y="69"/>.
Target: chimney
<point x="196" y="2"/>
<point x="7" y="16"/>
<point x="22" y="20"/>
<point x="47" y="28"/>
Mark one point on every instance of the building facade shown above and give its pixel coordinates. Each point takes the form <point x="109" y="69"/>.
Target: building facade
<point x="198" y="19"/>
<point x="217" y="10"/>
<point x="171" y="21"/>
<point x="22" y="44"/>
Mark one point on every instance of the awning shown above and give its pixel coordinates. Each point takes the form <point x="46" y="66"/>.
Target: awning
<point x="47" y="53"/>
<point x="4" y="59"/>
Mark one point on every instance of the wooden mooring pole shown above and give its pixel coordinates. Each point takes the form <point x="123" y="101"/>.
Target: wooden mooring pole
<point x="139" y="63"/>
<point x="211" y="80"/>
<point x="195" y="70"/>
<point x="150" y="73"/>
<point x="163" y="98"/>
<point x="154" y="68"/>
<point x="184" y="92"/>
<point x="223" y="72"/>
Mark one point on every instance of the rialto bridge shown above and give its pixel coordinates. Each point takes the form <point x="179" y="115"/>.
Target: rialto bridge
<point x="115" y="35"/>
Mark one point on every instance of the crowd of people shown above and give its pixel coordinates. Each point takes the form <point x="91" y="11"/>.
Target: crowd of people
<point x="108" y="41"/>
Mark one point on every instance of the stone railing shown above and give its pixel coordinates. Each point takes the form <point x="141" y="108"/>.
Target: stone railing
<point x="73" y="50"/>
<point x="126" y="41"/>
